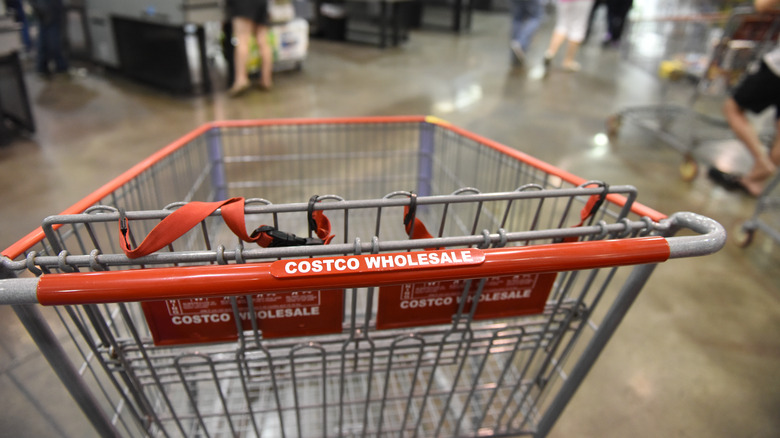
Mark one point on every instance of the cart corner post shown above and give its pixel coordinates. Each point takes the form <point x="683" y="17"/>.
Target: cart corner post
<point x="425" y="158"/>
<point x="711" y="239"/>
<point x="50" y="347"/>
<point x="21" y="297"/>
<point x="625" y="298"/>
<point x="217" y="158"/>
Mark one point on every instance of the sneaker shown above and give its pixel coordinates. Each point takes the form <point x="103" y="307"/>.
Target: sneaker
<point x="546" y="63"/>
<point x="517" y="49"/>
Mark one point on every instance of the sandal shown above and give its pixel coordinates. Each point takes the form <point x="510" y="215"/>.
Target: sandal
<point x="572" y="66"/>
<point x="727" y="180"/>
<point x="236" y="91"/>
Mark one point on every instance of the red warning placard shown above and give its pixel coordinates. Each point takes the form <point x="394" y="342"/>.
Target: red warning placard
<point x="278" y="314"/>
<point x="432" y="303"/>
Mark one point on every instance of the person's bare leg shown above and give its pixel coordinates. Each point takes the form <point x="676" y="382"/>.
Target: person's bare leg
<point x="763" y="167"/>
<point x="267" y="56"/>
<point x="569" y="62"/>
<point x="774" y="153"/>
<point x="242" y="31"/>
<point x="555" y="43"/>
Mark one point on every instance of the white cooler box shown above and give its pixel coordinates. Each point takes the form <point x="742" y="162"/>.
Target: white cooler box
<point x="290" y="44"/>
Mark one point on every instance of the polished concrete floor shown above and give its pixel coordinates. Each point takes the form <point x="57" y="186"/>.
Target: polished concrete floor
<point x="697" y="356"/>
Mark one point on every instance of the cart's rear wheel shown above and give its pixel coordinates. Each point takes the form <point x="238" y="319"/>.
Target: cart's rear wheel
<point x="743" y="236"/>
<point x="613" y="125"/>
<point x="689" y="169"/>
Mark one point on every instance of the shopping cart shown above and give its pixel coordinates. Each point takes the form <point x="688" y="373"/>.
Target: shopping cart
<point x="712" y="51"/>
<point x="765" y="217"/>
<point x="473" y="304"/>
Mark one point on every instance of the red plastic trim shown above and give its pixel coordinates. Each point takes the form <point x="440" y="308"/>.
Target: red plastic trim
<point x="223" y="280"/>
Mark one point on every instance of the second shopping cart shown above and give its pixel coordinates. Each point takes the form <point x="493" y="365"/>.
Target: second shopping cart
<point x="705" y="55"/>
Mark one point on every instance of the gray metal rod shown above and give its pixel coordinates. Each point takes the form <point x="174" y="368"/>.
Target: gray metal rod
<point x="52" y="350"/>
<point x="614" y="316"/>
<point x="711" y="238"/>
<point x="18" y="291"/>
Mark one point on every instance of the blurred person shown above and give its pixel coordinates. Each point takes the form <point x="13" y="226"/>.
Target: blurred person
<point x="571" y="24"/>
<point x="593" y="11"/>
<point x="50" y="15"/>
<point x="526" y="17"/>
<point x="617" y="12"/>
<point x="15" y="9"/>
<point x="250" y="17"/>
<point x="757" y="92"/>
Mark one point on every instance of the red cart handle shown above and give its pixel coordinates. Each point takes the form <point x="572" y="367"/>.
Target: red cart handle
<point x="189" y="215"/>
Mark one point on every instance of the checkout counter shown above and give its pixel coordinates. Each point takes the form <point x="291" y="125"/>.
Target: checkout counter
<point x="387" y="22"/>
<point x="158" y="42"/>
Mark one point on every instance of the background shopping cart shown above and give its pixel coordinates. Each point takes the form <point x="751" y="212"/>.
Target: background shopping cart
<point x="377" y="371"/>
<point x="701" y="56"/>
<point x="765" y="217"/>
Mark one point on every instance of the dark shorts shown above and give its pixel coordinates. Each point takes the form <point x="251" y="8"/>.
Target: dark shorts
<point x="758" y="91"/>
<point x="255" y="10"/>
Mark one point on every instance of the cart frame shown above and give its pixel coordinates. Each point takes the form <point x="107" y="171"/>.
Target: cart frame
<point x="767" y="202"/>
<point x="639" y="236"/>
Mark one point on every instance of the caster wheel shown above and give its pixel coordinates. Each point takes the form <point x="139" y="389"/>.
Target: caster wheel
<point x="689" y="169"/>
<point x="743" y="237"/>
<point x="613" y="125"/>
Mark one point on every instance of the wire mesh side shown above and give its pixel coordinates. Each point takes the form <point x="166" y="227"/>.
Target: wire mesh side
<point x="268" y="161"/>
<point x="387" y="381"/>
<point x="285" y="162"/>
<point x="689" y="40"/>
<point x="461" y="379"/>
<point x="342" y="376"/>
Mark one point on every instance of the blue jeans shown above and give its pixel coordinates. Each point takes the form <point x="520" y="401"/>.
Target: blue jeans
<point x="50" y="47"/>
<point x="526" y="17"/>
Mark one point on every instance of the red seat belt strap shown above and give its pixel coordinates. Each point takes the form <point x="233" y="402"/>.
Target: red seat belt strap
<point x="189" y="215"/>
